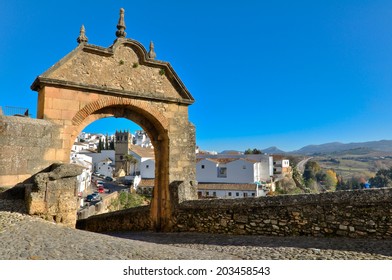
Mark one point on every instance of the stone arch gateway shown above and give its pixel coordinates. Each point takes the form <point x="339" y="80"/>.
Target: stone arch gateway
<point x="126" y="81"/>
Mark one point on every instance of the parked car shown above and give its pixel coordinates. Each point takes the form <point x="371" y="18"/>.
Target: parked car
<point x="107" y="178"/>
<point x="90" y="198"/>
<point x="101" y="189"/>
<point x="96" y="196"/>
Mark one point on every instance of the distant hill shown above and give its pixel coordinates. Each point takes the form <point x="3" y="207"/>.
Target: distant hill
<point x="382" y="146"/>
<point x="273" y="151"/>
<point x="231" y="152"/>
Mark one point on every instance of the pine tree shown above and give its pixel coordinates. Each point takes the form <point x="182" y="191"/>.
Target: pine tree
<point x="100" y="146"/>
<point x="107" y="142"/>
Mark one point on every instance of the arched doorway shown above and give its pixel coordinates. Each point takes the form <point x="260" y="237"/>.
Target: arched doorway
<point x="124" y="80"/>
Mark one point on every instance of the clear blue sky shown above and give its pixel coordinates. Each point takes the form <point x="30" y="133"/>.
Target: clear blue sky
<point x="263" y="73"/>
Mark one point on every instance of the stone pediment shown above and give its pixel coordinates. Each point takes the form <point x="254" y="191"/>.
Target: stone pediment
<point x="124" y="69"/>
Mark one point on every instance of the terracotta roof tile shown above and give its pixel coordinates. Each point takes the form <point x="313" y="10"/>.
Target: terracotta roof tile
<point x="147" y="183"/>
<point x="143" y="152"/>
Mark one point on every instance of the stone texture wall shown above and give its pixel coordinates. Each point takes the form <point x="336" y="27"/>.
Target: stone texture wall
<point x="133" y="219"/>
<point x="363" y="213"/>
<point x="54" y="194"/>
<point x="355" y="214"/>
<point x="27" y="147"/>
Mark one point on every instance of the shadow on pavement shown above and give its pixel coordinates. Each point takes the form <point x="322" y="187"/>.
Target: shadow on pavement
<point x="370" y="246"/>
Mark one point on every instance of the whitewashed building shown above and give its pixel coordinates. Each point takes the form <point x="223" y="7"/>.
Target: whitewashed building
<point x="233" y="170"/>
<point x="84" y="179"/>
<point x="145" y="166"/>
<point x="79" y="146"/>
<point x="227" y="191"/>
<point x="234" y="175"/>
<point x="141" y="139"/>
<point x="99" y="157"/>
<point x="106" y="167"/>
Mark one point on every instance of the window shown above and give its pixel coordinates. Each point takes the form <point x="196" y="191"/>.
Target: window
<point x="207" y="193"/>
<point x="244" y="167"/>
<point x="214" y="193"/>
<point x="237" y="194"/>
<point x="147" y="166"/>
<point x="222" y="172"/>
<point x="245" y="195"/>
<point x="253" y="194"/>
<point x="229" y="193"/>
<point x="202" y="167"/>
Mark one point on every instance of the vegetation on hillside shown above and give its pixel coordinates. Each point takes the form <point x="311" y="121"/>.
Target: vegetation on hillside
<point x="383" y="179"/>
<point x="127" y="200"/>
<point x="253" y="152"/>
<point x="317" y="179"/>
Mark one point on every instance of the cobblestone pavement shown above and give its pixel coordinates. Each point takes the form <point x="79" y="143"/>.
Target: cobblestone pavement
<point x="23" y="237"/>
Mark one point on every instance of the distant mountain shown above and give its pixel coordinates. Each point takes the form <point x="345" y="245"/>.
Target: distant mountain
<point x="273" y="151"/>
<point x="231" y="152"/>
<point x="382" y="145"/>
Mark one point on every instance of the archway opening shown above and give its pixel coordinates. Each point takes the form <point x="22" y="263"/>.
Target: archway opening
<point x="148" y="175"/>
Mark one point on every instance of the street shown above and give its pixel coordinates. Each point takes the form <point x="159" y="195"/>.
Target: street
<point x="301" y="165"/>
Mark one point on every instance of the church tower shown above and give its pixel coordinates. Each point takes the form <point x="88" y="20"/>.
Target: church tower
<point x="123" y="144"/>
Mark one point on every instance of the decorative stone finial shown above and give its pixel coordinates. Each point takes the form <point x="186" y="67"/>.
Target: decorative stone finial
<point x="82" y="36"/>
<point x="151" y="53"/>
<point x="120" y="33"/>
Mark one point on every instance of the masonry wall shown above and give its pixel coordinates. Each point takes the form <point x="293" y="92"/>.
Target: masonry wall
<point x="355" y="214"/>
<point x="362" y="213"/>
<point x="27" y="147"/>
<point x="133" y="219"/>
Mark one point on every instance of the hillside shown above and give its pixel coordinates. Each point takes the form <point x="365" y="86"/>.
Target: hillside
<point x="273" y="150"/>
<point x="382" y="146"/>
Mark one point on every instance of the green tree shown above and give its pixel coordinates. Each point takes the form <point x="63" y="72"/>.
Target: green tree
<point x="341" y="185"/>
<point x="327" y="179"/>
<point x="311" y="170"/>
<point x="129" y="160"/>
<point x="383" y="179"/>
<point x="298" y="179"/>
<point x="107" y="142"/>
<point x="100" y="146"/>
<point x="253" y="152"/>
<point x="127" y="200"/>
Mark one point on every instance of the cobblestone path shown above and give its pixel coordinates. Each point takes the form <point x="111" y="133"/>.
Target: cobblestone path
<point x="23" y="237"/>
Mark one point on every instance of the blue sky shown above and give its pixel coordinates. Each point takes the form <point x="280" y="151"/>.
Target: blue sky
<point x="263" y="73"/>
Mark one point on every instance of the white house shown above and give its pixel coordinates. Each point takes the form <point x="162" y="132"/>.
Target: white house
<point x="232" y="170"/>
<point x="141" y="139"/>
<point x="234" y="175"/>
<point x="145" y="166"/>
<point x="281" y="166"/>
<point x="79" y="146"/>
<point x="99" y="157"/>
<point x="84" y="179"/>
<point x="106" y="167"/>
<point x="230" y="190"/>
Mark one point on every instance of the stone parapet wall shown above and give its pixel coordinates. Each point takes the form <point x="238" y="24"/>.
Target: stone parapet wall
<point x="132" y="219"/>
<point x="356" y="214"/>
<point x="28" y="146"/>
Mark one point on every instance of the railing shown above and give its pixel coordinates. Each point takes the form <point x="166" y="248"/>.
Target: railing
<point x="14" y="111"/>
